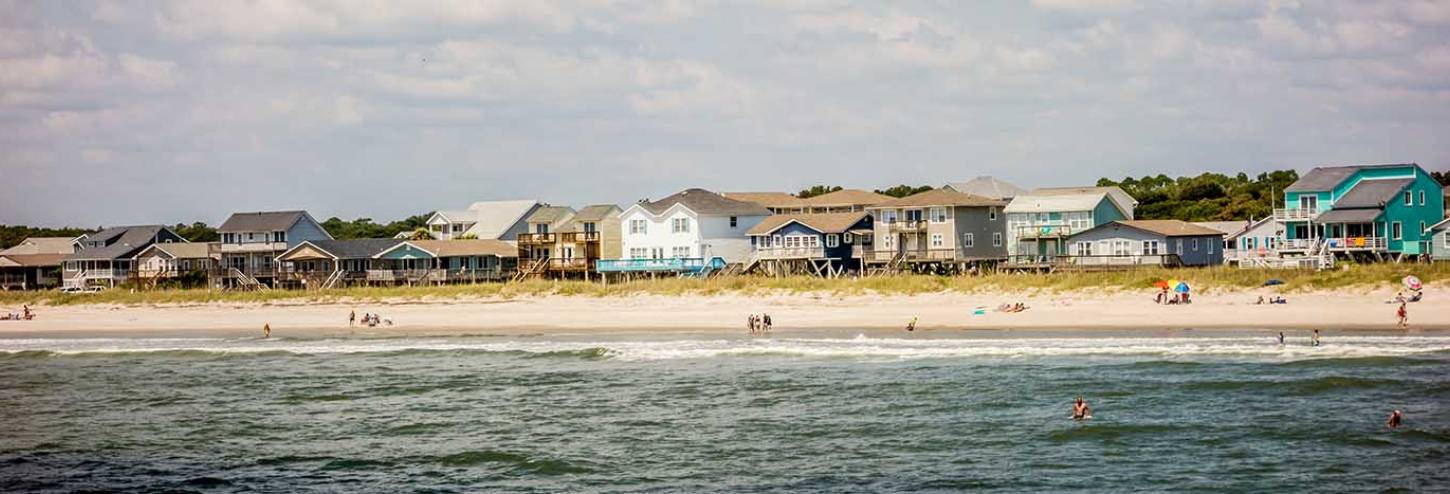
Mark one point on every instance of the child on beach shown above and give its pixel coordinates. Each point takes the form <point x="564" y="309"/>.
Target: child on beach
<point x="1404" y="316"/>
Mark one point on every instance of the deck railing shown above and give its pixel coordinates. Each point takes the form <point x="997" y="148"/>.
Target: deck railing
<point x="671" y="265"/>
<point x="1096" y="260"/>
<point x="908" y="226"/>
<point x="537" y="238"/>
<point x="1295" y="214"/>
<point x="790" y="252"/>
<point x="1358" y="243"/>
<point x="1043" y="230"/>
<point x="239" y="248"/>
<point x="579" y="237"/>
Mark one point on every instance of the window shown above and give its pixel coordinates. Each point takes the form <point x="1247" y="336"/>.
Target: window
<point x="679" y="225"/>
<point x="637" y="227"/>
<point x="1180" y="247"/>
<point x="967" y="241"/>
<point x="938" y="215"/>
<point x="997" y="239"/>
<point x="541" y="228"/>
<point x="833" y="240"/>
<point x="637" y="253"/>
<point x="680" y="252"/>
<point x="888" y="241"/>
<point x="848" y="237"/>
<point x="1084" y="249"/>
<point x="779" y="241"/>
<point x="734" y="222"/>
<point x="1409" y="198"/>
<point x="1309" y="202"/>
<point x="657" y="252"/>
<point x="1195" y="244"/>
<point x="1422" y="229"/>
<point x="1122" y="248"/>
<point x="992" y="213"/>
<point x="590" y="227"/>
<point x="936" y="240"/>
<point x="1422" y="198"/>
<point x="888" y="216"/>
<point x="281" y="237"/>
<point x="1150" y="248"/>
<point x="763" y="241"/>
<point x="913" y="215"/>
<point x="1210" y="245"/>
<point x="1396" y="230"/>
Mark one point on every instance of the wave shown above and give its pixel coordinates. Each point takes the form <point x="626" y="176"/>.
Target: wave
<point x="1172" y="351"/>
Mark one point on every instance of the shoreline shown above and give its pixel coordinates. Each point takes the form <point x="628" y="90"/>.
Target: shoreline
<point x="725" y="314"/>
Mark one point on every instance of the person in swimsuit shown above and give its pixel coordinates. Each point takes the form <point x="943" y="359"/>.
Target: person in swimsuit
<point x="911" y="326"/>
<point x="1315" y="340"/>
<point x="1080" y="409"/>
<point x="266" y="330"/>
<point x="1281" y="338"/>
<point x="1394" y="421"/>
<point x="1404" y="315"/>
<point x="351" y="318"/>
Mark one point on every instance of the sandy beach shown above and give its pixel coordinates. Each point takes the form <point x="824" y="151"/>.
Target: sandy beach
<point x="1343" y="309"/>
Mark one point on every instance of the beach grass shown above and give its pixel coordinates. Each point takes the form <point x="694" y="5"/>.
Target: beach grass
<point x="1366" y="276"/>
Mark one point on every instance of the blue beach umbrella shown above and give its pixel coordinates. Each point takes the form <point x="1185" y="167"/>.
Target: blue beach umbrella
<point x="1181" y="288"/>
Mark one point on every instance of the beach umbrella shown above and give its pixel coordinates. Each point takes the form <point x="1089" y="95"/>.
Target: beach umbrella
<point x="1413" y="283"/>
<point x="1160" y="284"/>
<point x="1273" y="282"/>
<point x="1181" y="287"/>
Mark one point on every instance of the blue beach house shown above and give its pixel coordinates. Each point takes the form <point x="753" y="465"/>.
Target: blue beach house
<point x="1361" y="211"/>
<point x="824" y="244"/>
<point x="1040" y="222"/>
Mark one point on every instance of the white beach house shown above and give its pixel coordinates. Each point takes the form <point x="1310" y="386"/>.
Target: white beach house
<point x="680" y="231"/>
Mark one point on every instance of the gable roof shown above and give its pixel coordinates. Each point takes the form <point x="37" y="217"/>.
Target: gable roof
<point x="821" y="222"/>
<point x="1227" y="227"/>
<point x="944" y="196"/>
<point x="702" y="201"/>
<point x="261" y="221"/>
<point x="42" y="245"/>
<point x="1167" y="228"/>
<point x="355" y="248"/>
<point x="1057" y="199"/>
<point x="1325" y="178"/>
<point x="1372" y="193"/>
<point x="989" y="187"/>
<point x="454" y="248"/>
<point x="123" y="241"/>
<point x="550" y="214"/>
<point x="595" y="213"/>
<point x="1442" y="225"/>
<point x="490" y="219"/>
<point x="848" y="197"/>
<point x="767" y="199"/>
<point x="183" y="250"/>
<point x="32" y="260"/>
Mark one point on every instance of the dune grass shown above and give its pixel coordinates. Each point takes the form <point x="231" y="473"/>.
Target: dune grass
<point x="1366" y="276"/>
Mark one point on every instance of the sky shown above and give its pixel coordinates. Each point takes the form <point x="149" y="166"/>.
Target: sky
<point x="123" y="112"/>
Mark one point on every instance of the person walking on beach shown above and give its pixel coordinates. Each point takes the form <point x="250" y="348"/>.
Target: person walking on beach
<point x="1314" y="341"/>
<point x="1081" y="410"/>
<point x="351" y="318"/>
<point x="1404" y="315"/>
<point x="765" y="320"/>
<point x="750" y="323"/>
<point x="266" y="330"/>
<point x="1394" y="421"/>
<point x="911" y="326"/>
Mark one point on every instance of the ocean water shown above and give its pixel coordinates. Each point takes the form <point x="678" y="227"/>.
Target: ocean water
<point x="810" y="412"/>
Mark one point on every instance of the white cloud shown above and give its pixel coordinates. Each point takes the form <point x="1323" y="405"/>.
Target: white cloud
<point x="149" y="74"/>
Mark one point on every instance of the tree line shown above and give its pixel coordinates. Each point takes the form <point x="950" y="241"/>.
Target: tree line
<point x="11" y="235"/>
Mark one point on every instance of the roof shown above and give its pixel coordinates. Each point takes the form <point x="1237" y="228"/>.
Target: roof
<point x="356" y="248"/>
<point x="1252" y="225"/>
<point x="1167" y="228"/>
<point x="989" y="187"/>
<point x="1372" y="193"/>
<point x="1326" y="178"/>
<point x="33" y="260"/>
<point x="595" y="212"/>
<point x="1056" y="199"/>
<point x="1227" y="227"/>
<point x="941" y="197"/>
<point x="1348" y="216"/>
<point x="702" y="201"/>
<point x="262" y="221"/>
<point x="848" y="197"/>
<point x="454" y="248"/>
<point x="550" y="214"/>
<point x="1442" y="225"/>
<point x="124" y="241"/>
<point x="185" y="250"/>
<point x="42" y="245"/>
<point x="490" y="219"/>
<point x="823" y="222"/>
<point x="768" y="199"/>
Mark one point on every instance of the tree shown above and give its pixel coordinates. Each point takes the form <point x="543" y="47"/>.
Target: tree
<point x="12" y="235"/>
<point x="1207" y="196"/>
<point x="196" y="232"/>
<point x="903" y="190"/>
<point x="366" y="228"/>
<point x="1442" y="177"/>
<point x="817" y="190"/>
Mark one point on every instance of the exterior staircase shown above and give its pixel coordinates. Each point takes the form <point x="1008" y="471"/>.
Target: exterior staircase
<point x="532" y="269"/>
<point x="247" y="282"/>
<point x="332" y="280"/>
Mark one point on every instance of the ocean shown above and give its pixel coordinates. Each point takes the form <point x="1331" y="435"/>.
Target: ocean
<point x="801" y="412"/>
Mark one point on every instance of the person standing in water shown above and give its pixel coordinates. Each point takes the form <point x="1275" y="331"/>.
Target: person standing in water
<point x="266" y="330"/>
<point x="765" y="322"/>
<point x="1081" y="410"/>
<point x="1394" y="421"/>
<point x="1314" y="341"/>
<point x="1281" y="338"/>
<point x="351" y="318"/>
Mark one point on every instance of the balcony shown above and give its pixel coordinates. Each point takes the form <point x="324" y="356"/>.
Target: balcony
<point x="579" y="237"/>
<point x="1095" y="262"/>
<point x="537" y="238"/>
<point x="1044" y="230"/>
<point x="1295" y="214"/>
<point x="790" y="252"/>
<point x="673" y="265"/>
<point x="253" y="247"/>
<point x="908" y="226"/>
<point x="1358" y="244"/>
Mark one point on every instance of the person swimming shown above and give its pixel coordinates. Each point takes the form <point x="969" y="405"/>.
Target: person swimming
<point x="1081" y="410"/>
<point x="1394" y="421"/>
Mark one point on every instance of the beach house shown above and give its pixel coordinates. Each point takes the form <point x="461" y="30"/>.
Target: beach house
<point x="1366" y="212"/>
<point x="988" y="187"/>
<point x="186" y="263"/>
<point x="1440" y="240"/>
<point x="34" y="263"/>
<point x="691" y="231"/>
<point x="940" y="230"/>
<point x="417" y="262"/>
<point x="106" y="258"/>
<point x="1229" y="229"/>
<point x="250" y="243"/>
<point x="823" y="244"/>
<point x="485" y="220"/>
<point x="330" y="263"/>
<point x="1040" y="222"/>
<point x="1132" y="243"/>
<point x="776" y="202"/>
<point x="564" y="243"/>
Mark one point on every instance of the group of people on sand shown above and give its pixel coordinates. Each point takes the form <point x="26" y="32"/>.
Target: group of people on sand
<point x="1166" y="297"/>
<point x="758" y="323"/>
<point x="369" y="320"/>
<point x="24" y="315"/>
<point x="1272" y="300"/>
<point x="1017" y="307"/>
<point x="1081" y="411"/>
<point x="1402" y="313"/>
